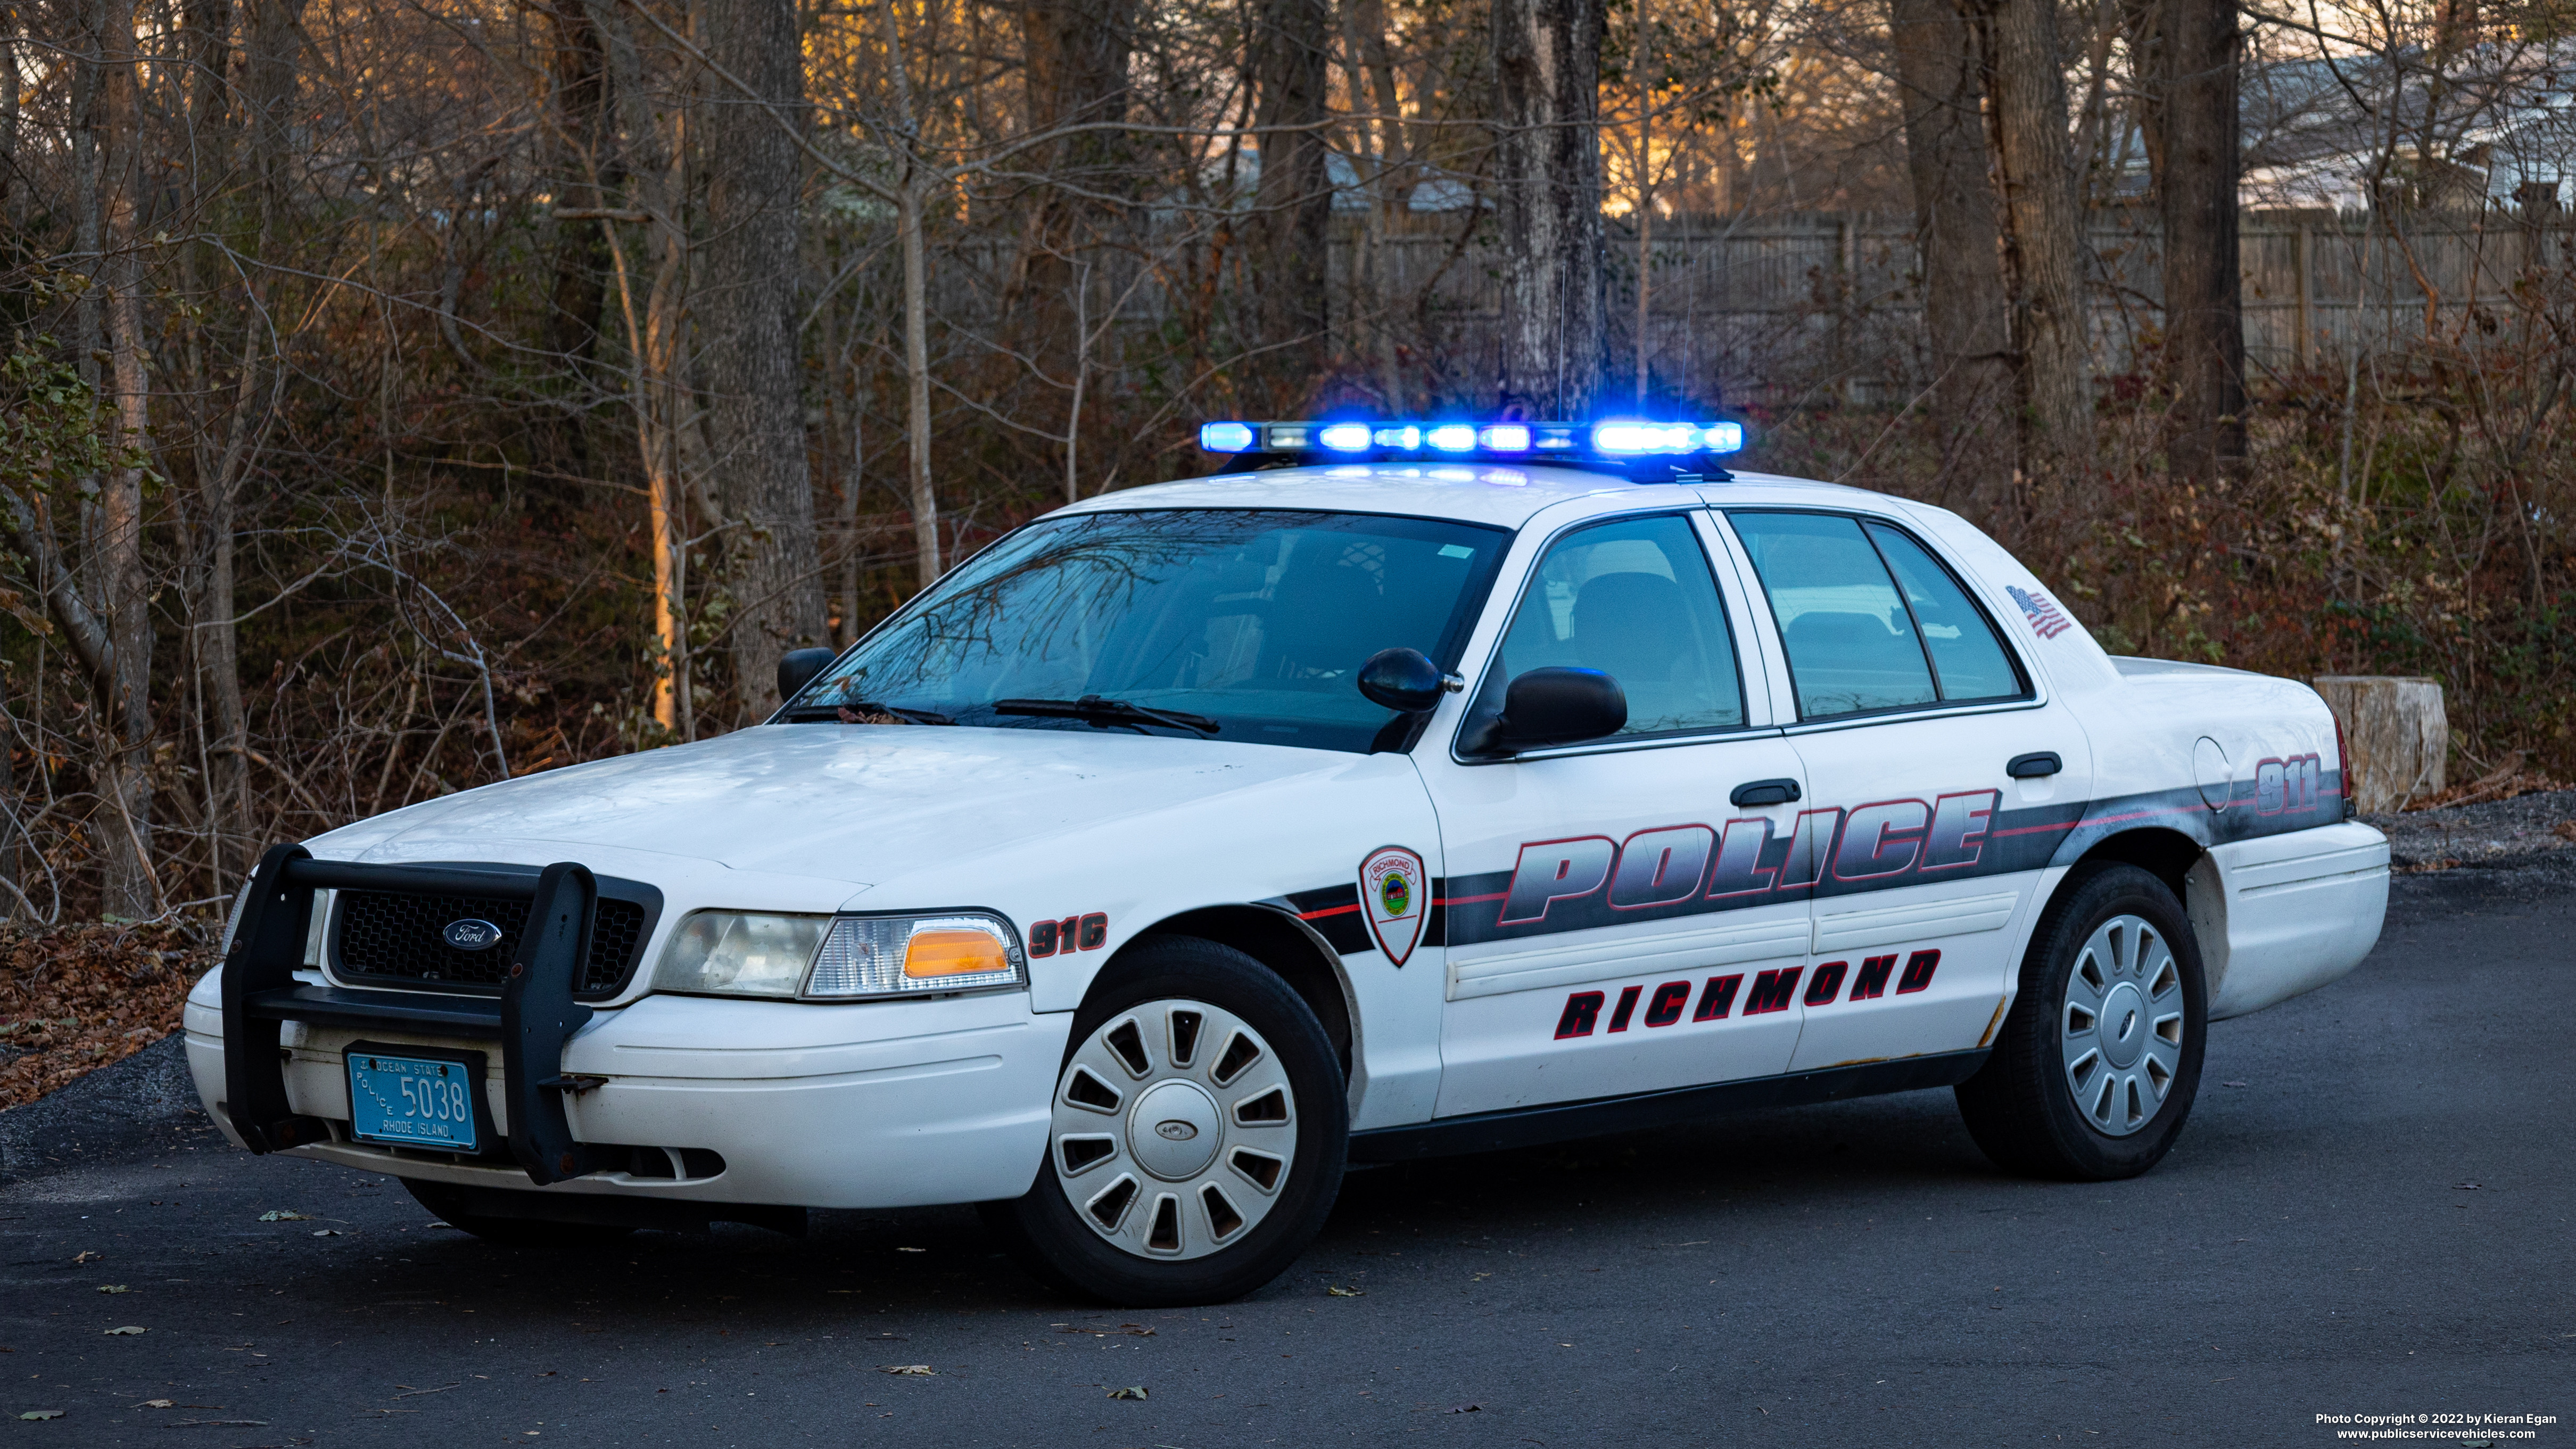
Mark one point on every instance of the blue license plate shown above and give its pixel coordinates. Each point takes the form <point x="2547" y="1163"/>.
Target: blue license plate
<point x="412" y="1102"/>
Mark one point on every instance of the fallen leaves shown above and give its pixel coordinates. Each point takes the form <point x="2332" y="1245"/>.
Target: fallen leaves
<point x="283" y="1215"/>
<point x="1132" y="1391"/>
<point x="84" y="1257"/>
<point x="1337" y="1291"/>
<point x="42" y="1414"/>
<point x="127" y="1331"/>
<point x="328" y="1233"/>
<point x="114" y="1288"/>
<point x="157" y="1404"/>
<point x="2564" y="829"/>
<point x="912" y="1370"/>
<point x="84" y="997"/>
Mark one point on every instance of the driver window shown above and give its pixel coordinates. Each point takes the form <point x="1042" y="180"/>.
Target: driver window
<point x="1635" y="600"/>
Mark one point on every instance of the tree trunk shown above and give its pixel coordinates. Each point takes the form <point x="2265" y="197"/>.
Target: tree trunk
<point x="13" y="192"/>
<point x="2196" y="193"/>
<point x="1547" y="207"/>
<point x="1290" y="229"/>
<point x="916" y="372"/>
<point x="2043" y="233"/>
<point x="748" y="305"/>
<point x="126" y="823"/>
<point x="1078" y="53"/>
<point x="2397" y="733"/>
<point x="1958" y="237"/>
<point x="582" y="116"/>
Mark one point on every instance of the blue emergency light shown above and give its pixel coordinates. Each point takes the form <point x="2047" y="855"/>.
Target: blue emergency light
<point x="1625" y="441"/>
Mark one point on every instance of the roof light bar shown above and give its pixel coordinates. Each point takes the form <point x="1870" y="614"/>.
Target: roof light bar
<point x="1636" y="441"/>
<point x="1631" y="437"/>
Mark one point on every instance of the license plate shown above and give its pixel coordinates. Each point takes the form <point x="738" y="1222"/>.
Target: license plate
<point x="411" y="1102"/>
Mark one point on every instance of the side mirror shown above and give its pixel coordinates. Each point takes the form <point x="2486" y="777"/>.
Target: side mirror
<point x="797" y="668"/>
<point x="1551" y="707"/>
<point x="1404" y="680"/>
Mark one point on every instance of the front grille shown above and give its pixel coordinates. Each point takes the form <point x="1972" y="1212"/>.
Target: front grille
<point x="401" y="937"/>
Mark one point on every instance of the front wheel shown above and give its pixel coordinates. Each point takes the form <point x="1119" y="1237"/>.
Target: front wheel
<point x="1196" y="1137"/>
<point x="2096" y="1066"/>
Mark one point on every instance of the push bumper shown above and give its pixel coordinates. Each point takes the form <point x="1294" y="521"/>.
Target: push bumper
<point x="679" y="1098"/>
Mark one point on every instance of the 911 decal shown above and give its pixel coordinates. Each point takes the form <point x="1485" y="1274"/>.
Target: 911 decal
<point x="1771" y="991"/>
<point x="1072" y="933"/>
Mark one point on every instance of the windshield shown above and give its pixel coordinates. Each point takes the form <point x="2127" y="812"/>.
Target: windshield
<point x="1242" y="625"/>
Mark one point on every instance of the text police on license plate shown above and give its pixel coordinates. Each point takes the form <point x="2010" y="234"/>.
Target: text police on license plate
<point x="411" y="1102"/>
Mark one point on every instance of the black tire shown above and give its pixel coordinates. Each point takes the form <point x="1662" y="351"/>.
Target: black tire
<point x="2022" y="1106"/>
<point x="1048" y="1236"/>
<point x="449" y="1203"/>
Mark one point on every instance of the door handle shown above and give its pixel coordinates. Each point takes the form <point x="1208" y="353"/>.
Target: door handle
<point x="2034" y="766"/>
<point x="1763" y="792"/>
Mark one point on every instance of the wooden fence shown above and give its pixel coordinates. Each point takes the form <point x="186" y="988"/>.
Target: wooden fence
<point x="1809" y="305"/>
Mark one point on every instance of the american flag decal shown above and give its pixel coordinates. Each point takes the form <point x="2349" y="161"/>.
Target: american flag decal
<point x="2045" y="620"/>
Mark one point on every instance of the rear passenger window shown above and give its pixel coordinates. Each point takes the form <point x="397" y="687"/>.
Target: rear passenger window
<point x="1635" y="600"/>
<point x="1857" y="641"/>
<point x="1968" y="661"/>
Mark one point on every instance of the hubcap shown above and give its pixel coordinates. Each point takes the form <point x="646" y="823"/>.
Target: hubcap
<point x="2122" y="1030"/>
<point x="1173" y="1129"/>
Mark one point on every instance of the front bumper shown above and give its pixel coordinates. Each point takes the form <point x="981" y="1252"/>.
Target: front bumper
<point x="895" y="1104"/>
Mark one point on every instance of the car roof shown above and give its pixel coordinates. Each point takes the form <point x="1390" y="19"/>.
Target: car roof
<point x="1508" y="495"/>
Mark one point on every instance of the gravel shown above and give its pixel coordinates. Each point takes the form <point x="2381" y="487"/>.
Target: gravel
<point x="2481" y="834"/>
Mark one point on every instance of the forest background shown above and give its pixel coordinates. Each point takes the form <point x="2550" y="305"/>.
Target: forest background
<point x="402" y="395"/>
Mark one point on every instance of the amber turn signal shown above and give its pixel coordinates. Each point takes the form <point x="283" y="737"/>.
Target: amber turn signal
<point x="936" y="953"/>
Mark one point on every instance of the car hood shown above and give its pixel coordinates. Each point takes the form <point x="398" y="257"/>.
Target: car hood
<point x="856" y="804"/>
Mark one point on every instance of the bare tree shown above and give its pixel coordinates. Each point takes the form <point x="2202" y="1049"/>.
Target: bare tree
<point x="1547" y="180"/>
<point x="2044" y="252"/>
<point x="1958" y="237"/>
<point x="1293" y="204"/>
<point x="2196" y="194"/>
<point x="749" y="306"/>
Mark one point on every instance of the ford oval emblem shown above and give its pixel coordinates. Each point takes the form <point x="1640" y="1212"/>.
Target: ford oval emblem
<point x="1175" y="1131"/>
<point x="472" y="935"/>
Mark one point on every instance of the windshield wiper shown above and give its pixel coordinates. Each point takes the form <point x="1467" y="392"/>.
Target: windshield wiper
<point x="845" y="711"/>
<point x="1093" y="709"/>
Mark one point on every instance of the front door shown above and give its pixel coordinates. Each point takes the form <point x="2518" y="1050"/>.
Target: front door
<point x="1609" y="917"/>
<point x="1911" y="711"/>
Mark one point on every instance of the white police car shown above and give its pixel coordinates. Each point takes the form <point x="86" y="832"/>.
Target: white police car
<point x="1473" y="787"/>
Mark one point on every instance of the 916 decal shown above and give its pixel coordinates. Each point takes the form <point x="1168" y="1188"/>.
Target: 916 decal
<point x="1772" y="991"/>
<point x="1073" y="933"/>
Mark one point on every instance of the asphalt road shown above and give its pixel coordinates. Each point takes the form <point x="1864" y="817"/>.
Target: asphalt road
<point x="2369" y="1214"/>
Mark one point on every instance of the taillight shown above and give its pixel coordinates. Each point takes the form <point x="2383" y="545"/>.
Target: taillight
<point x="2343" y="770"/>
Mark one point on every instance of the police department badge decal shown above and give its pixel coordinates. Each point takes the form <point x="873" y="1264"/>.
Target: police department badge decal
<point x="1393" y="890"/>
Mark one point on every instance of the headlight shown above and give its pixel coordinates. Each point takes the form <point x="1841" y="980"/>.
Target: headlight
<point x="908" y="955"/>
<point x="848" y="958"/>
<point x="736" y="953"/>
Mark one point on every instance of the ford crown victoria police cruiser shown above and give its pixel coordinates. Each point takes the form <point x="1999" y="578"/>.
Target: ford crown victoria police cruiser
<point x="1472" y="787"/>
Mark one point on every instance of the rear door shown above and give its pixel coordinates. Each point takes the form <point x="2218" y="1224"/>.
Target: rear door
<point x="1908" y="709"/>
<point x="1608" y="918"/>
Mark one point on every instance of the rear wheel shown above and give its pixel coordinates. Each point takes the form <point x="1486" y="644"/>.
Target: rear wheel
<point x="1196" y="1136"/>
<point x="450" y="1205"/>
<point x="2096" y="1067"/>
